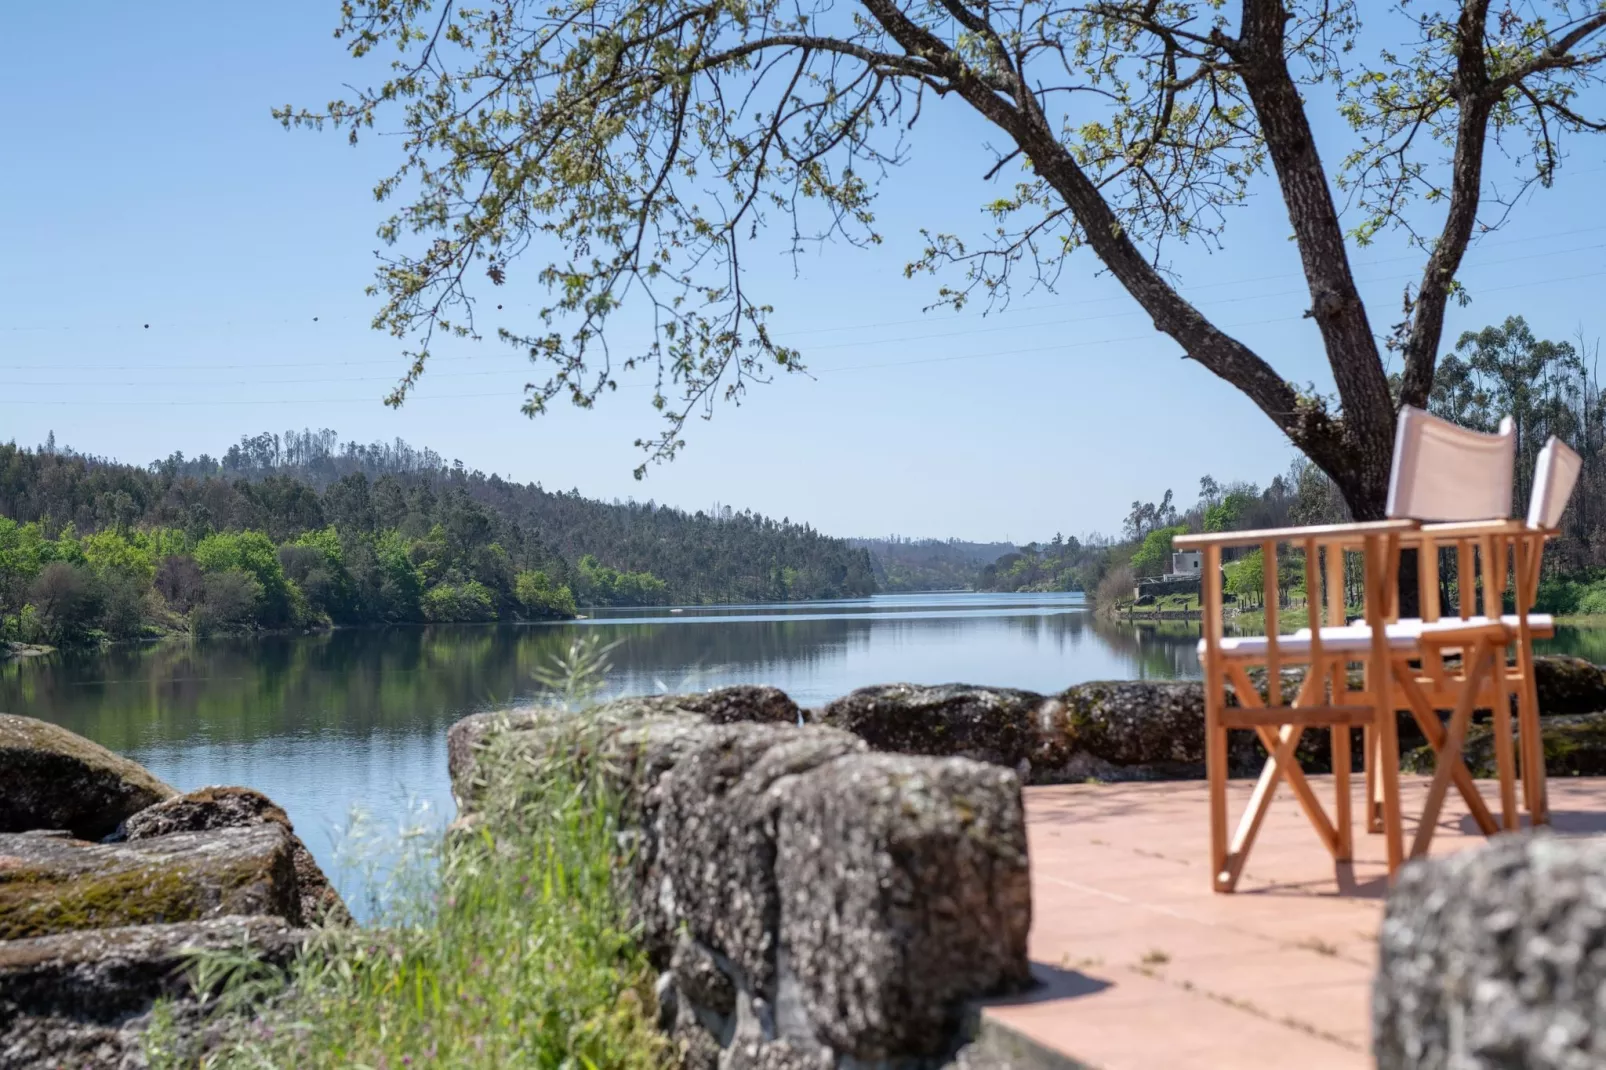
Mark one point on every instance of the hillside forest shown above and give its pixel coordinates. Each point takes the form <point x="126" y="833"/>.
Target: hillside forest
<point x="300" y="531"/>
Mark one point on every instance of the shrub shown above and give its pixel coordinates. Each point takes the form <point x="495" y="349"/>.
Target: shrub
<point x="1155" y="553"/>
<point x="253" y="553"/>
<point x="1246" y="577"/>
<point x="605" y="585"/>
<point x="123" y="606"/>
<point x="229" y="602"/>
<point x="1115" y="586"/>
<point x="68" y="600"/>
<point x="459" y="602"/>
<point x="180" y="582"/>
<point x="1592" y="599"/>
<point x="541" y="598"/>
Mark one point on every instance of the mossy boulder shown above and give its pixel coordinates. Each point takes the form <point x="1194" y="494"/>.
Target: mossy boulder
<point x="997" y="725"/>
<point x="51" y="778"/>
<point x="226" y="807"/>
<point x="1568" y="685"/>
<point x="84" y="998"/>
<point x="53" y="884"/>
<point x="1575" y="745"/>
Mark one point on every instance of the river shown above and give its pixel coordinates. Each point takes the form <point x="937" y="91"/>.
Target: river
<point x="355" y="721"/>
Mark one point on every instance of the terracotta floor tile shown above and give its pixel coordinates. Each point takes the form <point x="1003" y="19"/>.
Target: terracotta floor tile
<point x="1146" y="968"/>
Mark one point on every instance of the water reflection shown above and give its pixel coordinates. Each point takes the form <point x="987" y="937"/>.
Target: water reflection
<point x="358" y="718"/>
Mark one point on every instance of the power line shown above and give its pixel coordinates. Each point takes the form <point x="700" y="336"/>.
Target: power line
<point x="1082" y="344"/>
<point x="812" y="349"/>
<point x="1570" y="232"/>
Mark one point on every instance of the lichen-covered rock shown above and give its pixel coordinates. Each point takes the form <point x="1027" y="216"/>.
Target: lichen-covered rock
<point x="51" y="778"/>
<point x="712" y="864"/>
<point x="1106" y="730"/>
<point x="225" y="807"/>
<point x="782" y="1054"/>
<point x="699" y="979"/>
<point x="1135" y="723"/>
<point x="50" y="884"/>
<point x="1575" y="745"/>
<point x="1568" y="685"/>
<point x="741" y="703"/>
<point x="83" y="998"/>
<point x="999" y="725"/>
<point x="1495" y="958"/>
<point x="905" y="894"/>
<point x="533" y="731"/>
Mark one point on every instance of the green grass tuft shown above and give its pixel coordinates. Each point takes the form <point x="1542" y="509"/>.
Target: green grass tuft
<point x="507" y="949"/>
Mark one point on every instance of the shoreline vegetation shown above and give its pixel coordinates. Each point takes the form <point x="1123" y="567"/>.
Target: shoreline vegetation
<point x="301" y="533"/>
<point x="493" y="949"/>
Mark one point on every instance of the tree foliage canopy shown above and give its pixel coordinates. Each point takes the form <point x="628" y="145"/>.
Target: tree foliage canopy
<point x="635" y="148"/>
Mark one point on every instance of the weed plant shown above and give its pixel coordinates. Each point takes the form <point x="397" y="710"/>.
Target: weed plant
<point x="505" y="946"/>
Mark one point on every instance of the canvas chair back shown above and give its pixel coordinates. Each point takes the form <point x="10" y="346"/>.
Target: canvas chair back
<point x="1443" y="472"/>
<point x="1554" y="478"/>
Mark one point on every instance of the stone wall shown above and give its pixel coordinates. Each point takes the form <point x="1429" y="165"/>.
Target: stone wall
<point x="1164" y="585"/>
<point x="808" y="902"/>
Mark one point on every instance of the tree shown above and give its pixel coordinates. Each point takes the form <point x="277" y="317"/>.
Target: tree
<point x="650" y="141"/>
<point x="1154" y="555"/>
<point x="1505" y="371"/>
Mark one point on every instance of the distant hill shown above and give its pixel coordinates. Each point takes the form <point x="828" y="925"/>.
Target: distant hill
<point x="457" y="543"/>
<point x="904" y="564"/>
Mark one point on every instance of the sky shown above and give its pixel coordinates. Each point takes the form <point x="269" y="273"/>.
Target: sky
<point x="180" y="271"/>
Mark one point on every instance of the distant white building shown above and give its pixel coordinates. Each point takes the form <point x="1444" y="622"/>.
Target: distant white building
<point x="1186" y="563"/>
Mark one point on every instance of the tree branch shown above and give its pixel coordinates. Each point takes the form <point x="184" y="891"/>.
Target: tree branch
<point x="1471" y="89"/>
<point x="1336" y="304"/>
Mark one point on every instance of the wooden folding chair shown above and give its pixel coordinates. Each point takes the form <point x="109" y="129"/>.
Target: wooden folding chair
<point x="1324" y="700"/>
<point x="1508" y="556"/>
<point x="1458" y="662"/>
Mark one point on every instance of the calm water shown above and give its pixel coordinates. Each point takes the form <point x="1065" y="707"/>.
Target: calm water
<point x="357" y="719"/>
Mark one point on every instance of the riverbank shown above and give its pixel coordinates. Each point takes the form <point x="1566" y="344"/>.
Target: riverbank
<point x="23" y="650"/>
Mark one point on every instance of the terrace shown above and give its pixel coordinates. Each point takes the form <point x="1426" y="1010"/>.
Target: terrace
<point x="1145" y="968"/>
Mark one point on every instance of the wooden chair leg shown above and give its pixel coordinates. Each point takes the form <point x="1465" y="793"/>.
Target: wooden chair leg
<point x="1341" y="793"/>
<point x="1374" y="796"/>
<point x="1531" y="739"/>
<point x="1428" y="721"/>
<point x="1447" y="757"/>
<point x="1504" y="758"/>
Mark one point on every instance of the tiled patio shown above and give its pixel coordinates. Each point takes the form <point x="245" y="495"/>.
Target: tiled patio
<point x="1146" y="969"/>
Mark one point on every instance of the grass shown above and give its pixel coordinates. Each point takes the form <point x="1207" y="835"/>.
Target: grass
<point x="512" y="950"/>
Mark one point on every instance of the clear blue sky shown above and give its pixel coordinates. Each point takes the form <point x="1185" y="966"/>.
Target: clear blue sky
<point x="146" y="183"/>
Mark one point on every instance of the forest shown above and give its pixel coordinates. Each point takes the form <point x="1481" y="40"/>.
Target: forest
<point x="301" y="531"/>
<point x="1546" y="387"/>
<point x="903" y="564"/>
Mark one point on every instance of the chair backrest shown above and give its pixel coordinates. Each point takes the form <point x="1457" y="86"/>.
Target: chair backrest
<point x="1444" y="472"/>
<point x="1554" y="478"/>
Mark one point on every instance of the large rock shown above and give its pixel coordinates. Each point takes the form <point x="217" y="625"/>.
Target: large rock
<point x="51" y="778"/>
<point x="1495" y="958"/>
<point x="1568" y="685"/>
<point x="1575" y="745"/>
<point x="53" y="884"/>
<point x="999" y="725"/>
<point x="84" y="998"/>
<point x="530" y="732"/>
<point x="1106" y="730"/>
<point x="808" y="903"/>
<point x="709" y="866"/>
<point x="1136" y="723"/>
<point x="905" y="894"/>
<point x="221" y="808"/>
